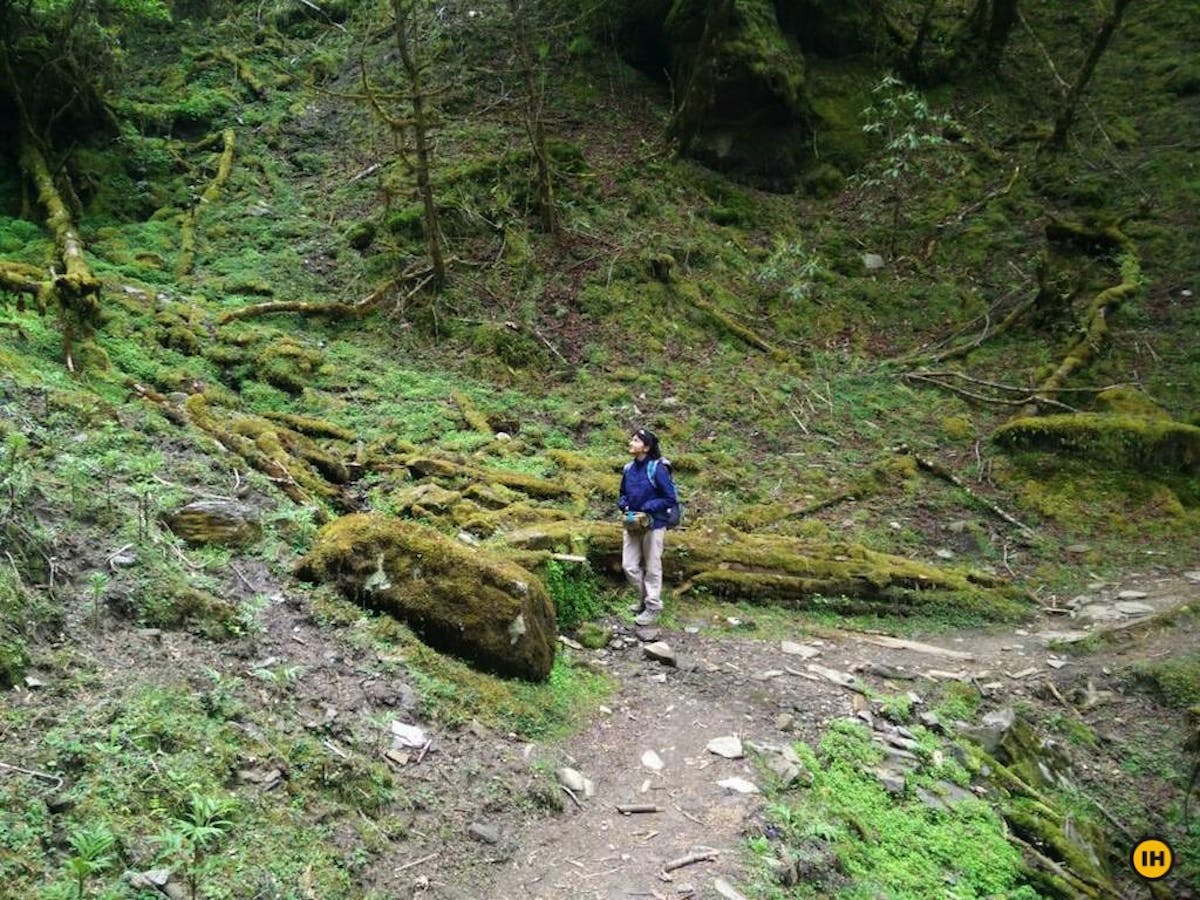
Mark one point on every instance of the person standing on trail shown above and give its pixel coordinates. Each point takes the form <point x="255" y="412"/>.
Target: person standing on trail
<point x="647" y="497"/>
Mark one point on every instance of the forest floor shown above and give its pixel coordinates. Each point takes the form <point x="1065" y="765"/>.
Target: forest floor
<point x="483" y="816"/>
<point x="725" y="685"/>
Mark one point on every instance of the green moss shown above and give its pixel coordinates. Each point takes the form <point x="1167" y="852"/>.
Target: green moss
<point x="466" y="601"/>
<point x="1175" y="679"/>
<point x="884" y="846"/>
<point x="575" y="591"/>
<point x="288" y="364"/>
<point x="1130" y="441"/>
<point x="958" y="702"/>
<point x="513" y="347"/>
<point x="14" y="659"/>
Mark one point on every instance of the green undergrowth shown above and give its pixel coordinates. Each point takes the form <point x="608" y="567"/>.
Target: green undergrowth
<point x="154" y="766"/>
<point x="577" y="593"/>
<point x="1175" y="680"/>
<point x="851" y="839"/>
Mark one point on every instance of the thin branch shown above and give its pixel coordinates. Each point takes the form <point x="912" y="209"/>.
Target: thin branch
<point x="44" y="776"/>
<point x="1029" y="397"/>
<point x="946" y="475"/>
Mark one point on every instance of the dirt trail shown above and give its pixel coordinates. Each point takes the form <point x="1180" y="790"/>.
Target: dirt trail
<point x="730" y="685"/>
<point x="726" y="683"/>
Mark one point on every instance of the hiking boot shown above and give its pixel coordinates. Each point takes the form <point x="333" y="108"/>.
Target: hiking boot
<point x="647" y="617"/>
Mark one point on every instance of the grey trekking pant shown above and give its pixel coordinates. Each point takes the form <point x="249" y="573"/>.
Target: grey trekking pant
<point x="641" y="558"/>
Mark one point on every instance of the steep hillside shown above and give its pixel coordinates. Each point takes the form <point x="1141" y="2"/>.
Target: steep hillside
<point x="940" y="377"/>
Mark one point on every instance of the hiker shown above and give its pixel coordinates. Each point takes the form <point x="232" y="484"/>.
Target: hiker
<point x="647" y="497"/>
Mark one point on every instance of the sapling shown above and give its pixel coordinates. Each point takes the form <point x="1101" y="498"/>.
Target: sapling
<point x="99" y="584"/>
<point x="93" y="846"/>
<point x="204" y="821"/>
<point x="910" y="129"/>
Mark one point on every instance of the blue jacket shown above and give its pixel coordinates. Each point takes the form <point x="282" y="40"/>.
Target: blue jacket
<point x="639" y="495"/>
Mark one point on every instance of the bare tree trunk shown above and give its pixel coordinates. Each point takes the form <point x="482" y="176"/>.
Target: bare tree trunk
<point x="533" y="115"/>
<point x="689" y="113"/>
<point x="1004" y="17"/>
<point x="1071" y="102"/>
<point x="916" y="51"/>
<point x="406" y="44"/>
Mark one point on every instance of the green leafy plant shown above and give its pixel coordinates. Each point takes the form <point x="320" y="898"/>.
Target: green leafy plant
<point x="98" y="582"/>
<point x="794" y="271"/>
<point x="204" y="821"/>
<point x="910" y="130"/>
<point x="93" y="846"/>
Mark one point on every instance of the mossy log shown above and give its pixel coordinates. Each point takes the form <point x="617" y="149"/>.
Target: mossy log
<point x="459" y="599"/>
<point x="471" y="414"/>
<point x="260" y="446"/>
<point x="1070" y="861"/>
<point x="305" y="308"/>
<point x="1140" y="443"/>
<point x="791" y="571"/>
<point x="19" y="278"/>
<point x="244" y="73"/>
<point x="530" y="485"/>
<point x="737" y="330"/>
<point x="312" y="426"/>
<point x="187" y="251"/>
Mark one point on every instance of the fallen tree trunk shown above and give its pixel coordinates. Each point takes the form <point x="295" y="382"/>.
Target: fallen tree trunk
<point x="187" y="252"/>
<point x="790" y="571"/>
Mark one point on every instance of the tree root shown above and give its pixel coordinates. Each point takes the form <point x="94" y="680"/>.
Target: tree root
<point x="187" y="253"/>
<point x="76" y="293"/>
<point x="935" y="378"/>
<point x="1095" y="325"/>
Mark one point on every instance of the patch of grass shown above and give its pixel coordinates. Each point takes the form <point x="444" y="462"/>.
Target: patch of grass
<point x="453" y="693"/>
<point x="153" y="767"/>
<point x="576" y="591"/>
<point x="887" y="846"/>
<point x="959" y="702"/>
<point x="1174" y="680"/>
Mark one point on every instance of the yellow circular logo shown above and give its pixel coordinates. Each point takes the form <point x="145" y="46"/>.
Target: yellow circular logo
<point x="1152" y="859"/>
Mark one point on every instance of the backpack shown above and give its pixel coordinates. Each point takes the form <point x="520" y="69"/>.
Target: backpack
<point x="674" y="513"/>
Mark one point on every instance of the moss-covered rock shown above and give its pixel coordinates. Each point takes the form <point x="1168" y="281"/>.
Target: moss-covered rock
<point x="461" y="600"/>
<point x="215" y="522"/>
<point x="752" y="114"/>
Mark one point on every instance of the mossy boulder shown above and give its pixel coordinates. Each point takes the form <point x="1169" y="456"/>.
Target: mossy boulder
<point x="1137" y="442"/>
<point x="215" y="522"/>
<point x="755" y="117"/>
<point x="459" y="599"/>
